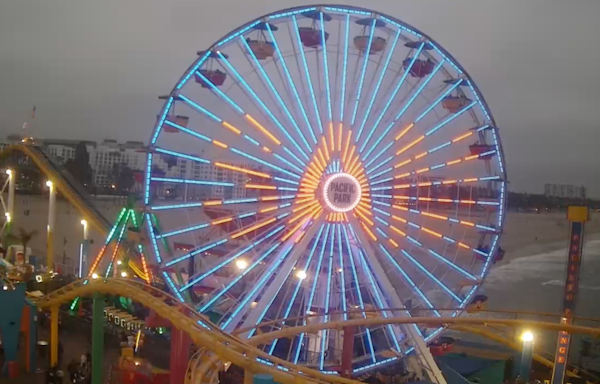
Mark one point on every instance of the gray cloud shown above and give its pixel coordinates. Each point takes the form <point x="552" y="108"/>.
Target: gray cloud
<point x="94" y="69"/>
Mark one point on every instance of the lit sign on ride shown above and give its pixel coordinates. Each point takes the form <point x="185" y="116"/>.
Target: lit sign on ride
<point x="341" y="192"/>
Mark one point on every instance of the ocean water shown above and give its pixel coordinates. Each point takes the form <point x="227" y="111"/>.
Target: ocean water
<point x="536" y="283"/>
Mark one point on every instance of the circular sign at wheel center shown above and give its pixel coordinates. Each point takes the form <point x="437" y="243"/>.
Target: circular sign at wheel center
<point x="341" y="192"/>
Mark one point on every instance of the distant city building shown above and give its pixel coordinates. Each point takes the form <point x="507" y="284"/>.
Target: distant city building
<point x="565" y="190"/>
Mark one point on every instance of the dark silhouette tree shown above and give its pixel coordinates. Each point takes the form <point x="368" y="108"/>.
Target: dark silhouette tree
<point x="79" y="167"/>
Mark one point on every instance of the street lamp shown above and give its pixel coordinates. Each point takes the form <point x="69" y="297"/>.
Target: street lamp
<point x="94" y="275"/>
<point x="123" y="274"/>
<point x="49" y="184"/>
<point x="9" y="172"/>
<point x="527" y="355"/>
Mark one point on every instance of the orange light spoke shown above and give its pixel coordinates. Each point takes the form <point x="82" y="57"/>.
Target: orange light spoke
<point x="263" y="129"/>
<point x="219" y="144"/>
<point x="331" y="139"/>
<point x="365" y="218"/>
<point x="462" y="137"/>
<point x="371" y="235"/>
<point x="264" y="210"/>
<point x="402" y="163"/>
<point x="325" y="149"/>
<point x="351" y="154"/>
<point x="243" y="170"/>
<point x="434" y="233"/>
<point x="397" y="231"/>
<point x="213" y="202"/>
<point x="394" y="243"/>
<point x="260" y="186"/>
<point x="321" y="160"/>
<point x="231" y="127"/>
<point x="409" y="146"/>
<point x="339" y="142"/>
<point x="221" y="221"/>
<point x="346" y="146"/>
<point x="252" y="228"/>
<point x="404" y="131"/>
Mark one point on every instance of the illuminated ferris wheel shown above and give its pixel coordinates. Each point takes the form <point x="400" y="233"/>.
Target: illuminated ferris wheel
<point x="326" y="161"/>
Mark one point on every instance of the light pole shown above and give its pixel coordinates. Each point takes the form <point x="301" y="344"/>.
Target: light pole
<point x="84" y="249"/>
<point x="10" y="208"/>
<point x="51" y="223"/>
<point x="526" y="356"/>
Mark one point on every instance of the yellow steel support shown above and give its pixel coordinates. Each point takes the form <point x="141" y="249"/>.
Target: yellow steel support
<point x="72" y="197"/>
<point x="54" y="335"/>
<point x="244" y="354"/>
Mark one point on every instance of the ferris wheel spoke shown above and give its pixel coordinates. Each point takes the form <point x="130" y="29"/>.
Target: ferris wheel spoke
<point x="307" y="74"/>
<point x="460" y="160"/>
<point x="222" y="145"/>
<point x="195" y="280"/>
<point x="376" y="286"/>
<point x="411" y="284"/>
<point x="254" y="123"/>
<point x="263" y="106"/>
<point x="376" y="91"/>
<point x="292" y="86"/>
<point x="358" y="291"/>
<point x="424" y="136"/>
<point x="209" y="303"/>
<point x="298" y="284"/>
<point x="315" y="280"/>
<point x="387" y="106"/>
<point x="362" y="77"/>
<point x="418" y="243"/>
<point x="400" y="114"/>
<point x="239" y="233"/>
<point x="265" y="299"/>
<point x="282" y="104"/>
<point x="447" y="144"/>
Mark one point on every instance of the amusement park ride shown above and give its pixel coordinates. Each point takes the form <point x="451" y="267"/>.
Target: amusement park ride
<point x="369" y="188"/>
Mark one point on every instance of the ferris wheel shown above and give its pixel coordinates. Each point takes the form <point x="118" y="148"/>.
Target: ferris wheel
<point x="328" y="161"/>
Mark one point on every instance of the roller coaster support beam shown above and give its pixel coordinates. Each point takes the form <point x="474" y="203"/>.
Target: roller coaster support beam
<point x="347" y="352"/>
<point x="180" y="354"/>
<point x="10" y="205"/>
<point x="577" y="216"/>
<point x="51" y="224"/>
<point x="388" y="292"/>
<point x="54" y="335"/>
<point x="97" y="338"/>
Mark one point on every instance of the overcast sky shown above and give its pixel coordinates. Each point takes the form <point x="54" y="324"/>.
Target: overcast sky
<point x="94" y="68"/>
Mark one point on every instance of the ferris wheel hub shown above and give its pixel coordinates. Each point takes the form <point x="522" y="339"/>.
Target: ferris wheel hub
<point x="341" y="192"/>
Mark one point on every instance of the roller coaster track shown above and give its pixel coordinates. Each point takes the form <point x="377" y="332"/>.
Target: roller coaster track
<point x="70" y="188"/>
<point x="202" y="332"/>
<point x="221" y="346"/>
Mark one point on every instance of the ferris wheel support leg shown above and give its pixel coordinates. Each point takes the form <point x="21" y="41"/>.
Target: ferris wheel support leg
<point x="423" y="353"/>
<point x="54" y="335"/>
<point x="278" y="281"/>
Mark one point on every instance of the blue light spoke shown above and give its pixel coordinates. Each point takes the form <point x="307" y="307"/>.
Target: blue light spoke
<point x="292" y="84"/>
<point x="345" y="70"/>
<point x="298" y="285"/>
<point x="359" y="293"/>
<point x="362" y="77"/>
<point x="390" y="100"/>
<point x="376" y="91"/>
<point x="263" y="162"/>
<point x="327" y="298"/>
<point x="313" y="290"/>
<point x="182" y="155"/>
<point x="449" y="119"/>
<point x="326" y="68"/>
<point x="221" y="94"/>
<point x="410" y="282"/>
<point x="431" y="276"/>
<point x="277" y="96"/>
<point x="262" y="104"/>
<point x="307" y="73"/>
<point x="259" y="285"/>
<point x="191" y="181"/>
<point x="228" y="260"/>
<point x="343" y="272"/>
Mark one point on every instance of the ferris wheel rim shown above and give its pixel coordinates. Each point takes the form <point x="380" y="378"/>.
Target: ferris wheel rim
<point x="238" y="31"/>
